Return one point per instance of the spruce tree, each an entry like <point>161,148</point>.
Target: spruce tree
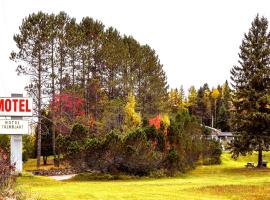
<point>224,107</point>
<point>251,99</point>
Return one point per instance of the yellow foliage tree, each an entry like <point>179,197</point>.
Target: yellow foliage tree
<point>165,118</point>
<point>132,118</point>
<point>192,96</point>
<point>215,94</point>
<point>177,100</point>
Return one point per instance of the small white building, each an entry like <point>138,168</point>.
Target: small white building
<point>219,135</point>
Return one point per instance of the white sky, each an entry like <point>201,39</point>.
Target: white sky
<point>197,41</point>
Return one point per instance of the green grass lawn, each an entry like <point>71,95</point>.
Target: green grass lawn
<point>230,180</point>
<point>31,165</point>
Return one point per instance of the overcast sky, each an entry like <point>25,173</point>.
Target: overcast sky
<point>196,41</point>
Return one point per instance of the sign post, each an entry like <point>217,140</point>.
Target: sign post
<point>16,108</point>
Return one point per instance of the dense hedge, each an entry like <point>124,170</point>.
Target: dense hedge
<point>175,148</point>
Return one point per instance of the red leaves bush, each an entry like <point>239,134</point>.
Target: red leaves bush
<point>72,105</point>
<point>6,169</point>
<point>155,122</point>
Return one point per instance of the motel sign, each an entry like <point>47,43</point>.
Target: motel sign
<point>13,109</point>
<point>11,106</point>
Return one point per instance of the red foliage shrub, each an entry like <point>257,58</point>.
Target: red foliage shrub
<point>155,121</point>
<point>72,105</point>
<point>72,108</point>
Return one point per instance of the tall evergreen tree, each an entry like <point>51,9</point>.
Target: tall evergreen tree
<point>52,75</point>
<point>192,99</point>
<point>203,105</point>
<point>224,107</point>
<point>31,58</point>
<point>251,100</point>
<point>92,38</point>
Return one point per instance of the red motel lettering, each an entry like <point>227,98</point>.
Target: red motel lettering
<point>15,105</point>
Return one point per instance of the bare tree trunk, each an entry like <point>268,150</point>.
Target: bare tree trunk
<point>39,112</point>
<point>60,95</point>
<point>95,85</point>
<point>73,83</point>
<point>53,106</point>
<point>83,83</point>
<point>87,99</point>
<point>259,157</point>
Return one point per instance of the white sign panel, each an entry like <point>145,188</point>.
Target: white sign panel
<point>14,127</point>
<point>16,106</point>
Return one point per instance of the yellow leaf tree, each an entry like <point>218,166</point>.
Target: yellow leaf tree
<point>215,95</point>
<point>177,100</point>
<point>132,118</point>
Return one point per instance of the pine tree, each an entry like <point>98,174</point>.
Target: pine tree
<point>153,84</point>
<point>223,109</point>
<point>192,99</point>
<point>92,33</point>
<point>203,105</point>
<point>251,99</point>
<point>31,58</point>
<point>52,90</point>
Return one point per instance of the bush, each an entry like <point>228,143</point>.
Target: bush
<point>160,173</point>
<point>212,152</point>
<point>184,142</point>
<point>172,162</point>
<point>101,176</point>
<point>72,146</point>
<point>151,132</point>
<point>78,132</point>
<point>140,157</point>
<point>5,142</point>
<point>28,147</point>
<point>173,148</point>
<point>6,169</point>
<point>111,153</point>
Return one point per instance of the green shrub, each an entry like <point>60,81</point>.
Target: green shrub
<point>141,152</point>
<point>5,142</point>
<point>140,157</point>
<point>28,147</point>
<point>78,132</point>
<point>212,152</point>
<point>172,156</point>
<point>101,176</point>
<point>184,140</point>
<point>151,132</point>
<point>159,173</point>
<point>172,162</point>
